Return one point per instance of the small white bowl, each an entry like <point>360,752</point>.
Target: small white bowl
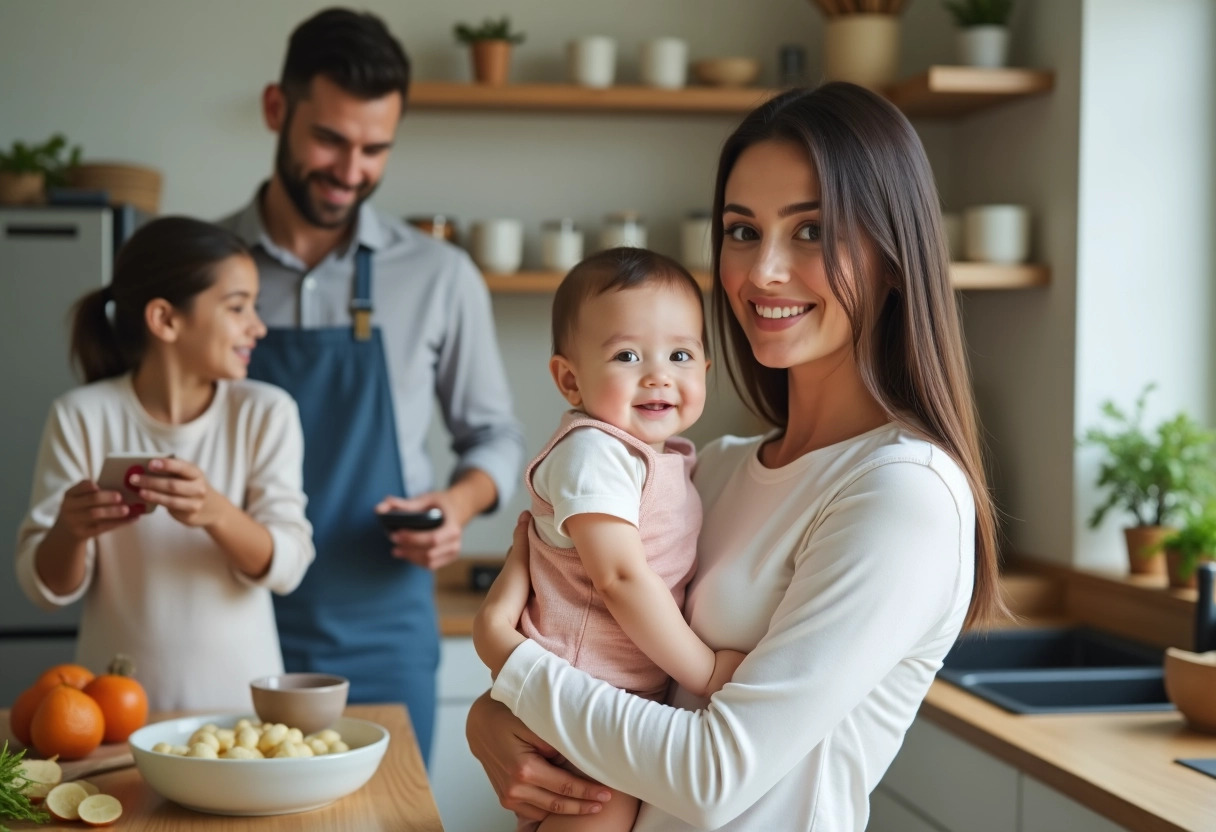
<point>256,787</point>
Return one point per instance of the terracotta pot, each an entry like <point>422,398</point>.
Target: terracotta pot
<point>491,61</point>
<point>1174,568</point>
<point>21,188</point>
<point>1141,559</point>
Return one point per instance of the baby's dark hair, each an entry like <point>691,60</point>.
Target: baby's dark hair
<point>613,270</point>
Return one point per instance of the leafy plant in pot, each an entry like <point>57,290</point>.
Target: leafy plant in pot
<point>1153,476</point>
<point>491,44</point>
<point>27,170</point>
<point>1191,545</point>
<point>983,31</point>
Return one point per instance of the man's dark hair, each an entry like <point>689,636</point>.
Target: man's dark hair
<point>355,50</point>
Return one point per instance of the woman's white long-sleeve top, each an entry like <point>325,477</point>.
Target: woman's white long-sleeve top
<point>159,591</point>
<point>846,576</point>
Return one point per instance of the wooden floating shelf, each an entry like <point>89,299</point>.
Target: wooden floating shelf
<point>453,95</point>
<point>940,91</point>
<point>963,275</point>
<point>960,90</point>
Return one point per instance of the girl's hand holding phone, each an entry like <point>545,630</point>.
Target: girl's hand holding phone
<point>87,511</point>
<point>182,489</point>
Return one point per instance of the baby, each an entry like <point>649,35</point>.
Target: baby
<point>615,513</point>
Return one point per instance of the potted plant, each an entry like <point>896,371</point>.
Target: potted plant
<point>1192,544</point>
<point>491,43</point>
<point>27,170</point>
<point>1154,477</point>
<point>983,37</point>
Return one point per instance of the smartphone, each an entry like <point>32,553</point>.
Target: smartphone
<point>116,474</point>
<point>415,521</point>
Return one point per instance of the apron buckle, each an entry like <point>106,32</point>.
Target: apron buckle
<point>362,316</point>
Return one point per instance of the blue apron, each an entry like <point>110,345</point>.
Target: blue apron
<point>359,612</point>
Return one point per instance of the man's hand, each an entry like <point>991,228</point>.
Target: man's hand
<point>428,549</point>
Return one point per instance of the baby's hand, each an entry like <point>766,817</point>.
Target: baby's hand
<point>725,664</point>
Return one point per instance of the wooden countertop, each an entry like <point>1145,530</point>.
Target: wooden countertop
<point>1119,765</point>
<point>397,798</point>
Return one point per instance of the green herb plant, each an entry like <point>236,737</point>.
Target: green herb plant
<point>14,805</point>
<point>45,158</point>
<point>969,13</point>
<point>1195,541</point>
<point>1153,476</point>
<point>488,30</point>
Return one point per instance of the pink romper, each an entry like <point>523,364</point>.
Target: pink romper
<point>565,615</point>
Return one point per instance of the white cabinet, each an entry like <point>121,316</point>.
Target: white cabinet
<point>1046,810</point>
<point>462,792</point>
<point>951,784</point>
<point>938,783</point>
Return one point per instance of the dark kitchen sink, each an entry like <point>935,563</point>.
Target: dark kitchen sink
<point>1048,648</point>
<point>1058,670</point>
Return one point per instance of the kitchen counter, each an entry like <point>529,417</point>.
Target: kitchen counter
<point>1118,765</point>
<point>397,798</point>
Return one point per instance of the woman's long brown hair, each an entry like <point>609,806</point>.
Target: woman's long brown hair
<point>877,197</point>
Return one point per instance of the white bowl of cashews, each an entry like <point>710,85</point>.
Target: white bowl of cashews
<point>227,764</point>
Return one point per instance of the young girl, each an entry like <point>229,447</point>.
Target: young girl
<point>615,514</point>
<point>183,589</point>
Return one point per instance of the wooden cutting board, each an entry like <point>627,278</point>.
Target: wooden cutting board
<point>106,758</point>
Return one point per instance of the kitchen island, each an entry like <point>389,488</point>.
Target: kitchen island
<point>397,798</point>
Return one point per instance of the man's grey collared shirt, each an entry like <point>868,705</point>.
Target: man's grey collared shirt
<point>434,313</point>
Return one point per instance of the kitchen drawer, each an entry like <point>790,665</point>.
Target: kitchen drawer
<point>462,676</point>
<point>888,813</point>
<point>952,783</point>
<point>1046,810</point>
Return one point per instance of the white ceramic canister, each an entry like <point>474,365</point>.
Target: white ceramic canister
<point>623,229</point>
<point>696,241</point>
<point>862,49</point>
<point>986,46</point>
<point>997,233</point>
<point>664,63</point>
<point>591,61</point>
<point>498,245</point>
<point>561,245</point>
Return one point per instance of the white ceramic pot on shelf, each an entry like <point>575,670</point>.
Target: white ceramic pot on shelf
<point>986,46</point>
<point>591,61</point>
<point>997,233</point>
<point>862,49</point>
<point>498,245</point>
<point>664,63</point>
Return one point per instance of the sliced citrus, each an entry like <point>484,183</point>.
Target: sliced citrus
<point>63,800</point>
<point>43,775</point>
<point>87,786</point>
<point>99,810</point>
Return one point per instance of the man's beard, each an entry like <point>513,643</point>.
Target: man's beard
<point>296,184</point>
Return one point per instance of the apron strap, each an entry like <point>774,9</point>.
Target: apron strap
<point>361,303</point>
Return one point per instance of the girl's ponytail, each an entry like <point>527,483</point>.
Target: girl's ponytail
<point>95,350</point>
<point>170,258</point>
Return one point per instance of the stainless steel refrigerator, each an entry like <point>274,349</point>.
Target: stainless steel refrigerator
<point>48,258</point>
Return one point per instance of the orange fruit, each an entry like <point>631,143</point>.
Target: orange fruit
<point>124,704</point>
<point>22,713</point>
<point>68,723</point>
<point>69,674</point>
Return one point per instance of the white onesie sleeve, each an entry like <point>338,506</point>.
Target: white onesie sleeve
<point>587,472</point>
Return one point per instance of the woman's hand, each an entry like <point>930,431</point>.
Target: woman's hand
<point>87,511</point>
<point>495,635</point>
<point>521,769</point>
<point>181,488</point>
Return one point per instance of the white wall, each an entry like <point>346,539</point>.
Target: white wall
<point>1147,207</point>
<point>175,85</point>
<point>1022,342</point>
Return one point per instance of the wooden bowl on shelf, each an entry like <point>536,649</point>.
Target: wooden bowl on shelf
<point>126,184</point>
<point>1190,682</point>
<point>726,72</point>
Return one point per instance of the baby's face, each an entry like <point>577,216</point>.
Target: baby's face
<point>638,362</point>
